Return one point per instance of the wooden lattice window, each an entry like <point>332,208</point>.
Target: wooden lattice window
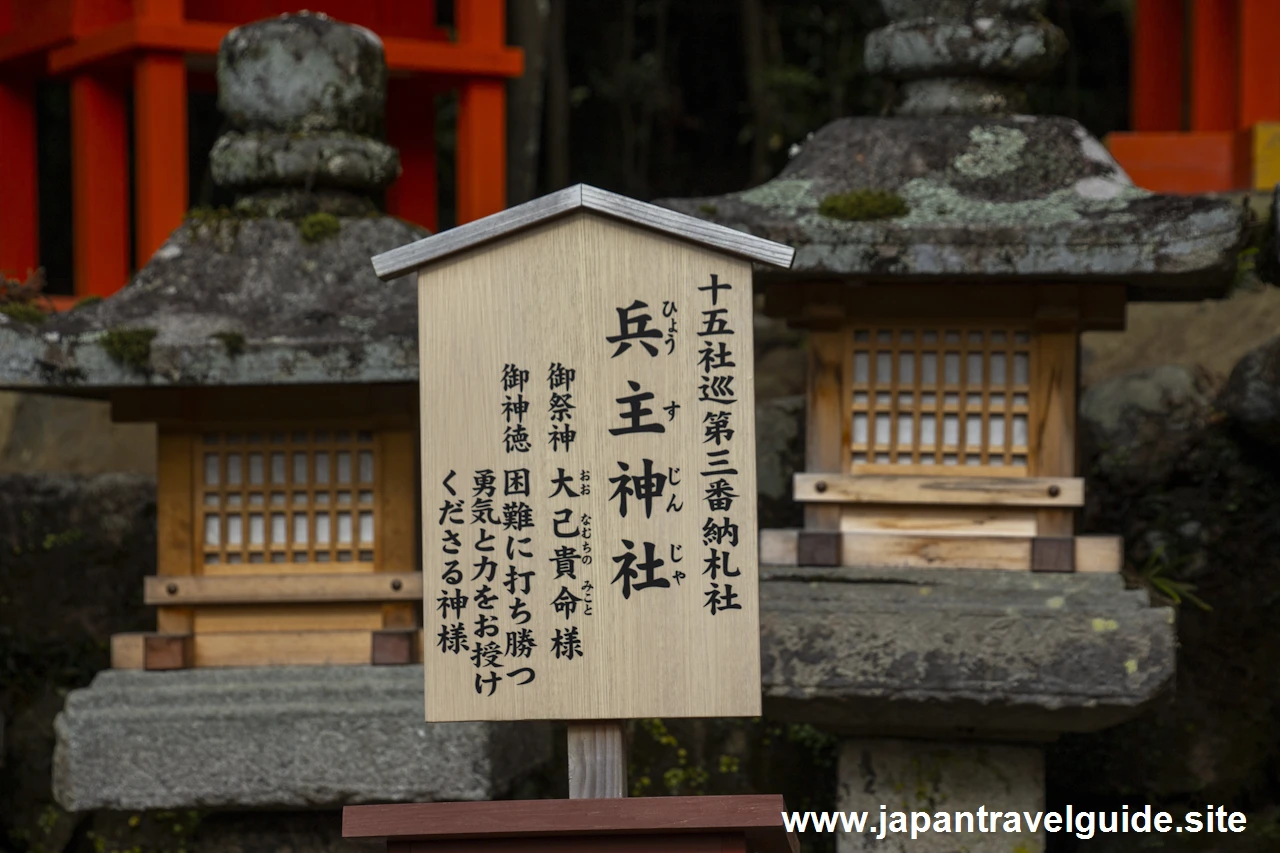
<point>940,397</point>
<point>297,496</point>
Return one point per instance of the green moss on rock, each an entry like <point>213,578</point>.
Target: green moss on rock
<point>318,226</point>
<point>863,205</point>
<point>211,215</point>
<point>92,299</point>
<point>218,223</point>
<point>129,347</point>
<point>233,342</point>
<point>23,312</point>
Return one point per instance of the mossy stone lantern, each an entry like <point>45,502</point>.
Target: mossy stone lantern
<point>948,259</point>
<point>280,373</point>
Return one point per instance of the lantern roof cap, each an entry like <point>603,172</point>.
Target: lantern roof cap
<point>276,290</point>
<point>234,301</point>
<point>1011,198</point>
<point>580,197</point>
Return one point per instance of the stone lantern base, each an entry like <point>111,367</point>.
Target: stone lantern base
<point>281,737</point>
<point>935,777</point>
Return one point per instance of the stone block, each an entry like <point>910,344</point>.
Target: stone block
<point>934,777</point>
<point>960,653</point>
<point>276,737</point>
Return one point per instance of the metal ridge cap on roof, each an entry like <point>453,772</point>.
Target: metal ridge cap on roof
<point>397,262</point>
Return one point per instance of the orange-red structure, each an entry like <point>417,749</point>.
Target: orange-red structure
<point>1205,95</point>
<point>159,50</point>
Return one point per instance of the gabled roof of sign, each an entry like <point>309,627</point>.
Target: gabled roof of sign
<point>1008,198</point>
<point>414,256</point>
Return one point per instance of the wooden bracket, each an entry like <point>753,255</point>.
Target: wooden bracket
<point>166,651</point>
<point>1053,554</point>
<point>818,548</point>
<point>394,648</point>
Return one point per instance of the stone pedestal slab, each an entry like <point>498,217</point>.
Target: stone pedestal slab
<point>938,777</point>
<point>965,654</point>
<point>278,737</point>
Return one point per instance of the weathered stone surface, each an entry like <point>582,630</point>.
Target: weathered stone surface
<point>77,546</point>
<point>43,434</point>
<point>1209,336</point>
<point>959,96</point>
<point>250,297</point>
<point>929,776</point>
<point>1130,422</point>
<point>901,9</point>
<point>999,653</point>
<point>960,57</point>
<point>302,313</point>
<point>278,737</point>
<point>1199,523</point>
<point>927,47</point>
<point>73,551</point>
<point>242,160</point>
<point>779,455</point>
<point>305,96</point>
<point>1252,394</point>
<point>781,358</point>
<point>1017,197</point>
<point>302,72</point>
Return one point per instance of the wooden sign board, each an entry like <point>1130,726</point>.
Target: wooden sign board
<point>588,466</point>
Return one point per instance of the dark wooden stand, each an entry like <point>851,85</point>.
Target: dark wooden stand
<point>741,824</point>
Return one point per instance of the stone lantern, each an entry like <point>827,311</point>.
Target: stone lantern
<point>938,606</point>
<point>281,375</point>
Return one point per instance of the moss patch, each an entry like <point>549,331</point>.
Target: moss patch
<point>708,209</point>
<point>863,205</point>
<point>318,226</point>
<point>232,341</point>
<point>129,347</point>
<point>220,224</point>
<point>23,312</point>
<point>88,300</point>
<point>211,215</point>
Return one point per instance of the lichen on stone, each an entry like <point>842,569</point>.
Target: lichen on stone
<point>994,152</point>
<point>933,202</point>
<point>786,196</point>
<point>129,347</point>
<point>23,312</point>
<point>863,205</point>
<point>318,227</point>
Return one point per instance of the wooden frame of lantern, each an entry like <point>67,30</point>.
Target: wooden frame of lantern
<point>286,532</point>
<point>941,425</point>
